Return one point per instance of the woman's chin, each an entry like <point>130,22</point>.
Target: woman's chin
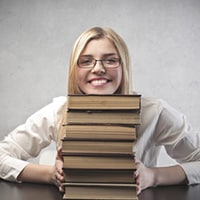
<point>99,91</point>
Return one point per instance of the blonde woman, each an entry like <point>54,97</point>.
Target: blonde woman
<point>100,64</point>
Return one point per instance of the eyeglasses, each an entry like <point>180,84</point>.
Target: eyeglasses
<point>89,62</point>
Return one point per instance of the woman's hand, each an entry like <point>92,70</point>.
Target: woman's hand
<point>144,176</point>
<point>148,177</point>
<point>57,173</point>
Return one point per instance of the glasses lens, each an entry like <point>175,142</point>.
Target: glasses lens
<point>111,62</point>
<point>85,62</point>
<point>89,62</point>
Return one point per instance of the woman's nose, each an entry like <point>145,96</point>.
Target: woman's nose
<point>98,68</point>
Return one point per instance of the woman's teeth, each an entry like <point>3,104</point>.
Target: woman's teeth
<point>98,82</point>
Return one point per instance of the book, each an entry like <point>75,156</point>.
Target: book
<point>99,176</point>
<point>101,132</point>
<point>99,161</point>
<point>103,117</point>
<point>106,102</point>
<point>97,146</point>
<point>100,191</point>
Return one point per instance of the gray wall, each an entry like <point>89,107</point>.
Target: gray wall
<point>36,37</point>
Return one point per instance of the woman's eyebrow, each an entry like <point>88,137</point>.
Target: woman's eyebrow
<point>86,55</point>
<point>110,54</point>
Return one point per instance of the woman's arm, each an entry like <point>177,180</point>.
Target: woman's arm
<point>36,173</point>
<point>44,173</point>
<point>148,177</point>
<point>162,125</point>
<point>27,141</point>
<point>169,175</point>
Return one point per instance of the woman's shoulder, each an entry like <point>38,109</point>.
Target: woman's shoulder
<point>60,100</point>
<point>59,103</point>
<point>147,101</point>
<point>54,107</point>
<point>156,106</point>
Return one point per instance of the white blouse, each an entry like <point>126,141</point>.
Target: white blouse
<point>161,125</point>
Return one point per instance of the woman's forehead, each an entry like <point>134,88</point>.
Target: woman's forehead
<point>101,46</point>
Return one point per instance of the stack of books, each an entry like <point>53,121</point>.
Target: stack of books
<point>97,148</point>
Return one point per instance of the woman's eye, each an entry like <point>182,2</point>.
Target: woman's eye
<point>85,61</point>
<point>110,60</point>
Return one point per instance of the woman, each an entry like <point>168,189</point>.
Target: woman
<point>100,64</point>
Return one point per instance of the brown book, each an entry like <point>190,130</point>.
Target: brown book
<point>100,191</point>
<point>99,176</point>
<point>98,161</point>
<point>103,117</point>
<point>107,102</point>
<point>101,132</point>
<point>97,146</point>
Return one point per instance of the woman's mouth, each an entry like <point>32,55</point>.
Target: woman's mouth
<point>98,82</point>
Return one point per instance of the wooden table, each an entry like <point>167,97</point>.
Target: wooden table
<point>31,191</point>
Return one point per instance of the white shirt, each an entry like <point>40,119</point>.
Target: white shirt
<point>160,125</point>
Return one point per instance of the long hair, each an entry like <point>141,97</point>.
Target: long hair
<point>79,46</point>
<point>95,34</point>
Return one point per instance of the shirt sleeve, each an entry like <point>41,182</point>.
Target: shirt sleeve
<point>28,139</point>
<point>181,142</point>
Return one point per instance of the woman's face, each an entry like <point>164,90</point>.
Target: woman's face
<point>99,79</point>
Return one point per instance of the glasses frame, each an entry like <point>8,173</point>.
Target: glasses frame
<point>102,63</point>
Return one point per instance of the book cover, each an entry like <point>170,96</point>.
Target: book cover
<point>99,161</point>
<point>97,146</point>
<point>106,102</point>
<point>99,176</point>
<point>101,132</point>
<point>103,117</point>
<point>100,191</point>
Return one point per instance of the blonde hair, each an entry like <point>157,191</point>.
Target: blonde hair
<point>79,46</point>
<point>96,33</point>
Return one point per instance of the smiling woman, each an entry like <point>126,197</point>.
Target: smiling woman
<point>100,64</point>
<point>99,77</point>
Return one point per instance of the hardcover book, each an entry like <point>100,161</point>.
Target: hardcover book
<point>104,102</point>
<point>100,191</point>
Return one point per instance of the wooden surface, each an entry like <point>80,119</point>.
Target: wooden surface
<point>30,191</point>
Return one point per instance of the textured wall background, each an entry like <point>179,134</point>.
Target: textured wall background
<point>36,39</point>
